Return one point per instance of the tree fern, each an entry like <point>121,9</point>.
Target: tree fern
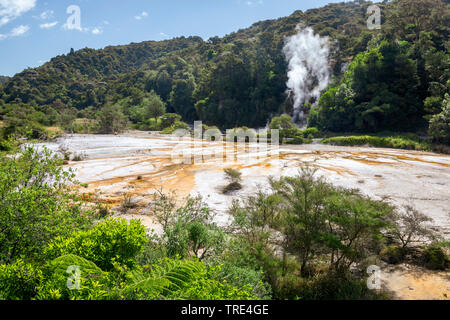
<point>165,280</point>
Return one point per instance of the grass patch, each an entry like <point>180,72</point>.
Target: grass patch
<point>54,132</point>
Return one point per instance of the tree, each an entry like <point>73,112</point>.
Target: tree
<point>282,122</point>
<point>112,119</point>
<point>410,227</point>
<point>188,229</point>
<point>440,124</point>
<point>406,19</point>
<point>153,105</point>
<point>377,92</point>
<point>312,220</point>
<point>169,119</point>
<point>163,85</point>
<point>36,204</point>
<point>181,99</point>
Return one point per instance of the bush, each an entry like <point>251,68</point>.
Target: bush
<point>169,119</point>
<point>312,133</point>
<point>440,123</point>
<point>435,258</point>
<point>5,145</point>
<point>398,142</point>
<point>336,287</point>
<point>182,279</point>
<point>392,254</point>
<point>19,281</point>
<point>88,280</point>
<point>176,126</point>
<point>235,178</point>
<point>282,122</point>
<point>33,211</point>
<point>241,276</point>
<point>233,186</point>
<point>113,241</point>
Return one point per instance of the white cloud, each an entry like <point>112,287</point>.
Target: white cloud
<point>97,31</point>
<point>19,31</point>
<point>143,14</point>
<point>251,3</point>
<point>48,14</point>
<point>48,25</point>
<point>12,9</point>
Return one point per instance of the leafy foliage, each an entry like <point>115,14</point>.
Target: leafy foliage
<point>36,203</point>
<point>435,258</point>
<point>19,281</point>
<point>87,281</point>
<point>111,242</point>
<point>399,142</point>
<point>182,279</point>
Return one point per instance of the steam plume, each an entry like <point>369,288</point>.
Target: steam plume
<point>308,70</point>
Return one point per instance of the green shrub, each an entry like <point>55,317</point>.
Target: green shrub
<point>435,258</point>
<point>19,281</point>
<point>236,134</point>
<point>392,254</point>
<point>312,133</point>
<point>169,119</point>
<point>440,123</point>
<point>33,211</point>
<point>336,287</point>
<point>182,279</point>
<point>241,276</point>
<point>5,145</point>
<point>234,177</point>
<point>398,142</point>
<point>209,289</point>
<point>108,243</point>
<point>72,277</point>
<point>233,186</point>
<point>176,126</point>
<point>282,122</point>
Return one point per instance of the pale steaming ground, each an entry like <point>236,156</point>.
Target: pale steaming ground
<point>112,164</point>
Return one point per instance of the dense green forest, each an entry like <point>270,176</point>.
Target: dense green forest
<point>3,79</point>
<point>394,79</point>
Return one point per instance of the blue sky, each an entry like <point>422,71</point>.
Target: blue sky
<point>33,31</point>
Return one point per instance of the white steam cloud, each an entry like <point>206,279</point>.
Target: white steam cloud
<point>308,69</point>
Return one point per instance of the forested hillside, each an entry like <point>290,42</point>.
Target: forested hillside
<point>397,79</point>
<point>3,79</point>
